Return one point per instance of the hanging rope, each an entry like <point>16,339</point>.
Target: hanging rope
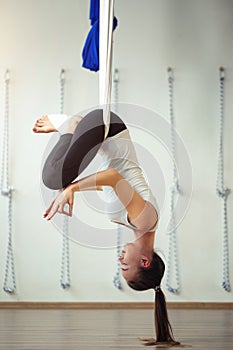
<point>116,88</point>
<point>172,245</point>
<point>6,190</point>
<point>65,258</point>
<point>221,190</point>
<point>116,279</point>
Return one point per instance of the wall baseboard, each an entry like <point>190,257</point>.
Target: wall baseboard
<point>112,305</point>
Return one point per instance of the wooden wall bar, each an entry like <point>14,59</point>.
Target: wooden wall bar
<point>112,305</point>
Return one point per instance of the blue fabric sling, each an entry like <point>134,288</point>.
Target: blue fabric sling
<point>90,53</point>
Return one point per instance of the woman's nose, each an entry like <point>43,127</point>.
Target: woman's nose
<point>121,257</point>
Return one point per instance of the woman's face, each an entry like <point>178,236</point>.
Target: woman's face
<point>130,259</point>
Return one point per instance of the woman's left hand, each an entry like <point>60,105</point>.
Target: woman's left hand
<point>63,198</point>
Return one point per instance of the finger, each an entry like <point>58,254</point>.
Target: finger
<point>62,209</point>
<point>49,208</point>
<point>68,213</point>
<point>52,212</point>
<point>70,208</point>
<point>65,212</point>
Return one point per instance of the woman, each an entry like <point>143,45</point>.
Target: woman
<point>129,200</point>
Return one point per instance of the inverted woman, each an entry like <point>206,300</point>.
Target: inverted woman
<point>129,200</point>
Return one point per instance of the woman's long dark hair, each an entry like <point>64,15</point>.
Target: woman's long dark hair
<point>151,278</point>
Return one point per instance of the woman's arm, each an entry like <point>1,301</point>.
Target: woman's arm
<point>66,196</point>
<point>132,201</point>
<point>108,177</point>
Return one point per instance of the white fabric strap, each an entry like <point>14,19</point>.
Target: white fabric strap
<point>105,59</point>
<point>60,122</point>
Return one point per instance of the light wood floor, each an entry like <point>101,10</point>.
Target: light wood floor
<point>110,329</point>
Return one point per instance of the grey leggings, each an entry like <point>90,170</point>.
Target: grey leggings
<point>74,152</point>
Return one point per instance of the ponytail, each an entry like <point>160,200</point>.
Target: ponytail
<point>163,327</point>
<point>148,278</point>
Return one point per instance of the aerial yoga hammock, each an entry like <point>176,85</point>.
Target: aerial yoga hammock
<point>91,52</point>
<point>130,201</point>
<point>91,57</point>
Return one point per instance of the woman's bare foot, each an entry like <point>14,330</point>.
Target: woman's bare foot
<point>43,125</point>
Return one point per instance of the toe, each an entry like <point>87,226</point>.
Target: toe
<point>40,123</point>
<point>37,129</point>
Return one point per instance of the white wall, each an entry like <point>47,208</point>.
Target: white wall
<point>37,39</point>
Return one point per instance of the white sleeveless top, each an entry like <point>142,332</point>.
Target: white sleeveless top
<point>118,152</point>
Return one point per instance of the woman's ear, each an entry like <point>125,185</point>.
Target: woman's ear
<point>145,261</point>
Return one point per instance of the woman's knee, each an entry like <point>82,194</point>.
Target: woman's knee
<point>51,178</point>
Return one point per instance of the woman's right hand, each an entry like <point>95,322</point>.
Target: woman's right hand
<point>64,197</point>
